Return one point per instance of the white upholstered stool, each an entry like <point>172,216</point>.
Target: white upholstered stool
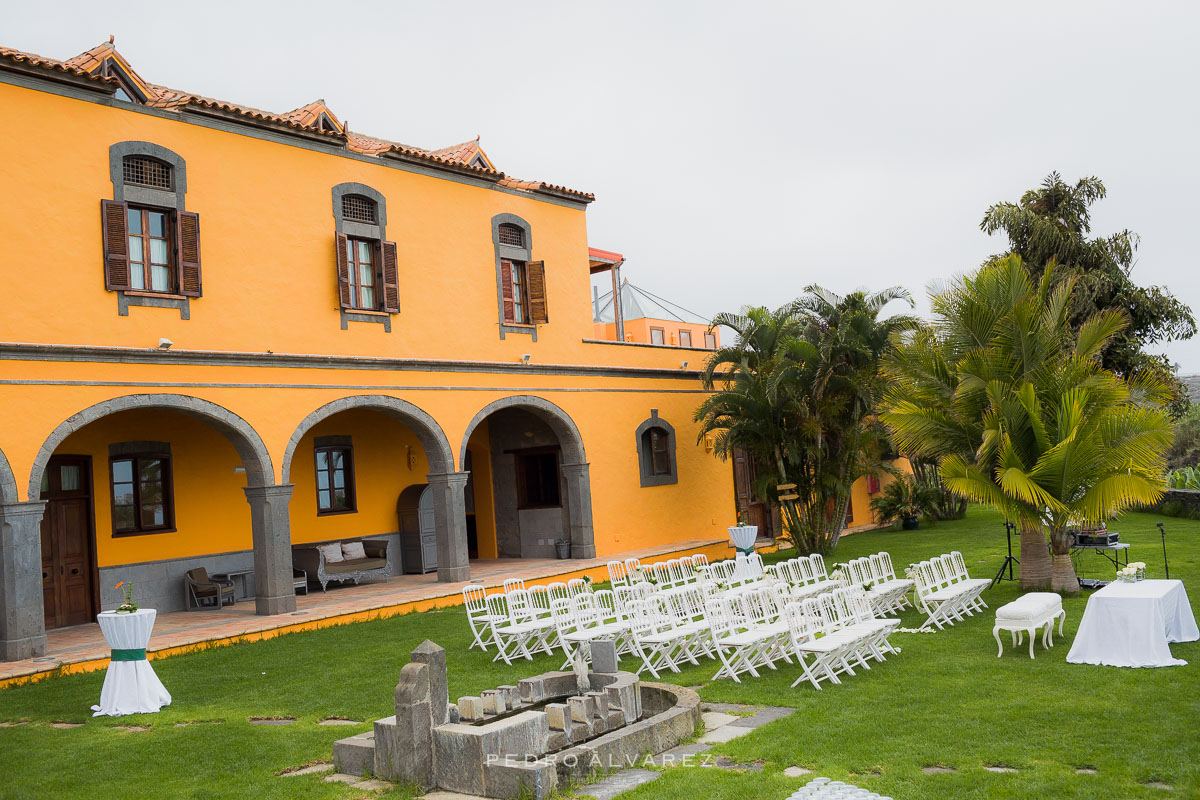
<point>1027,614</point>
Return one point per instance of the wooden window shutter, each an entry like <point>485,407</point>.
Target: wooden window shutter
<point>188,231</point>
<point>116,244</point>
<point>391,278</point>
<point>506,289</point>
<point>535,279</point>
<point>343,269</point>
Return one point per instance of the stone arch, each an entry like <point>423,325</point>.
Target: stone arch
<point>449,511</point>
<point>559,421</point>
<point>8,482</point>
<point>429,433</point>
<point>574,465</point>
<point>247,442</point>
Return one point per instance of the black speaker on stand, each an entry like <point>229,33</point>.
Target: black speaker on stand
<point>1008,561</point>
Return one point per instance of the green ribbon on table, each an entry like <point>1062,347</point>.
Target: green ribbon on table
<point>129,655</point>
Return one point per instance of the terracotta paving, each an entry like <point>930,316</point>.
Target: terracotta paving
<point>85,643</point>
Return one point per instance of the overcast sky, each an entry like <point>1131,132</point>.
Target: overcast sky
<point>738,151</point>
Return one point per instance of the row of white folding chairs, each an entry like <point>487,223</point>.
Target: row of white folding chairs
<point>673,572</point>
<point>805,575</point>
<point>945,592</point>
<point>825,633</point>
<point>736,571</point>
<point>888,594</point>
<point>488,612</point>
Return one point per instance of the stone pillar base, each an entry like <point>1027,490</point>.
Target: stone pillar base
<point>272,548</point>
<point>22,616</point>
<point>450,522</point>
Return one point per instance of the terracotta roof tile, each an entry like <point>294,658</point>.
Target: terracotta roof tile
<point>305,118</point>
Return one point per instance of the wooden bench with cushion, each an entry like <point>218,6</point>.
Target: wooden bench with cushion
<point>360,559</point>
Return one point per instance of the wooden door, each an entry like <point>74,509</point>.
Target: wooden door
<point>427,524</point>
<point>744,475</point>
<point>68,566</point>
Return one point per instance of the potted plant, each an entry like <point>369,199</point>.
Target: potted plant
<point>905,500</point>
<point>743,534</point>
<point>127,606</point>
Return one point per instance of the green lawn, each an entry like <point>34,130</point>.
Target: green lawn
<point>946,700</point>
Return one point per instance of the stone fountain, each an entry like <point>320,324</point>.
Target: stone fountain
<point>546,729</point>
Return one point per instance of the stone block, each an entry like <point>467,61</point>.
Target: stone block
<point>470,708</point>
<point>493,701</point>
<point>404,746</point>
<point>434,657</point>
<point>626,696</point>
<point>583,708</point>
<point>558,684</point>
<point>536,779</point>
<point>512,698</point>
<point>599,702</point>
<point>460,758</point>
<point>557,741</point>
<point>616,719</point>
<point>413,686</point>
<point>355,755</point>
<point>604,656</point>
<point>558,716</point>
<point>532,690</point>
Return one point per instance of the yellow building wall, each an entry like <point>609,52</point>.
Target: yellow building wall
<point>483,488</point>
<point>382,446</point>
<point>861,498</point>
<point>267,234</point>
<point>638,330</point>
<point>211,512</point>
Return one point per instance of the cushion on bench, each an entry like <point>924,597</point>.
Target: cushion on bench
<point>356,565</point>
<point>1034,605</point>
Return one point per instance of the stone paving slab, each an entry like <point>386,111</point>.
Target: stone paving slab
<point>689,754</point>
<point>725,734</point>
<point>311,769</point>
<point>797,772</point>
<point>443,795</point>
<point>763,716</point>
<point>341,777</point>
<point>715,719</point>
<point>725,708</point>
<point>615,784</point>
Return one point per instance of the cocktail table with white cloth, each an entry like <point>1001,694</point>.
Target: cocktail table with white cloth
<point>1131,624</point>
<point>130,685</point>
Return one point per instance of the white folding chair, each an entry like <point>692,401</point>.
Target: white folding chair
<point>618,575</point>
<point>478,618</point>
<point>513,583</point>
<point>654,636</point>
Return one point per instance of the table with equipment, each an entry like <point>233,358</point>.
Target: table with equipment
<point>1132,624</point>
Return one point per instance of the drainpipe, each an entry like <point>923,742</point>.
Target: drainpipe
<point>618,314</point>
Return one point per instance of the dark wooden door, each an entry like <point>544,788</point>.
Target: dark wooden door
<point>744,475</point>
<point>68,586</point>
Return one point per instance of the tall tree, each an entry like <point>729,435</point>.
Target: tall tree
<point>797,390</point>
<point>1022,414</point>
<point>1051,224</point>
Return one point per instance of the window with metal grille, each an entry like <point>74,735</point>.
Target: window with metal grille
<point>357,208</point>
<point>512,235</point>
<point>146,171</point>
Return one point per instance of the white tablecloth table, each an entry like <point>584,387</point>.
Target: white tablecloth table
<point>130,685</point>
<point>1131,624</point>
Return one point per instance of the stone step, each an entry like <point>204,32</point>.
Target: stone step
<point>355,755</point>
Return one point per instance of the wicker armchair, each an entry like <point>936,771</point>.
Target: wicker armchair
<point>204,590</point>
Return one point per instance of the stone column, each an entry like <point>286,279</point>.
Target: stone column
<point>450,521</point>
<point>22,618</point>
<point>272,548</point>
<point>579,505</point>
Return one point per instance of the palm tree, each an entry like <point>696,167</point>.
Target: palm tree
<point>1022,415</point>
<point>797,392</point>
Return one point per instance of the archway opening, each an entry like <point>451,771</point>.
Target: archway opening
<point>143,493</point>
<point>529,487</point>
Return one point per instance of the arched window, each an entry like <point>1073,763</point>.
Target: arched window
<point>521,281</point>
<point>656,451</point>
<point>367,268</point>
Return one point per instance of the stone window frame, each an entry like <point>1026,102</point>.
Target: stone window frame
<point>146,196</point>
<point>362,230</point>
<point>507,251</point>
<point>645,472</point>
